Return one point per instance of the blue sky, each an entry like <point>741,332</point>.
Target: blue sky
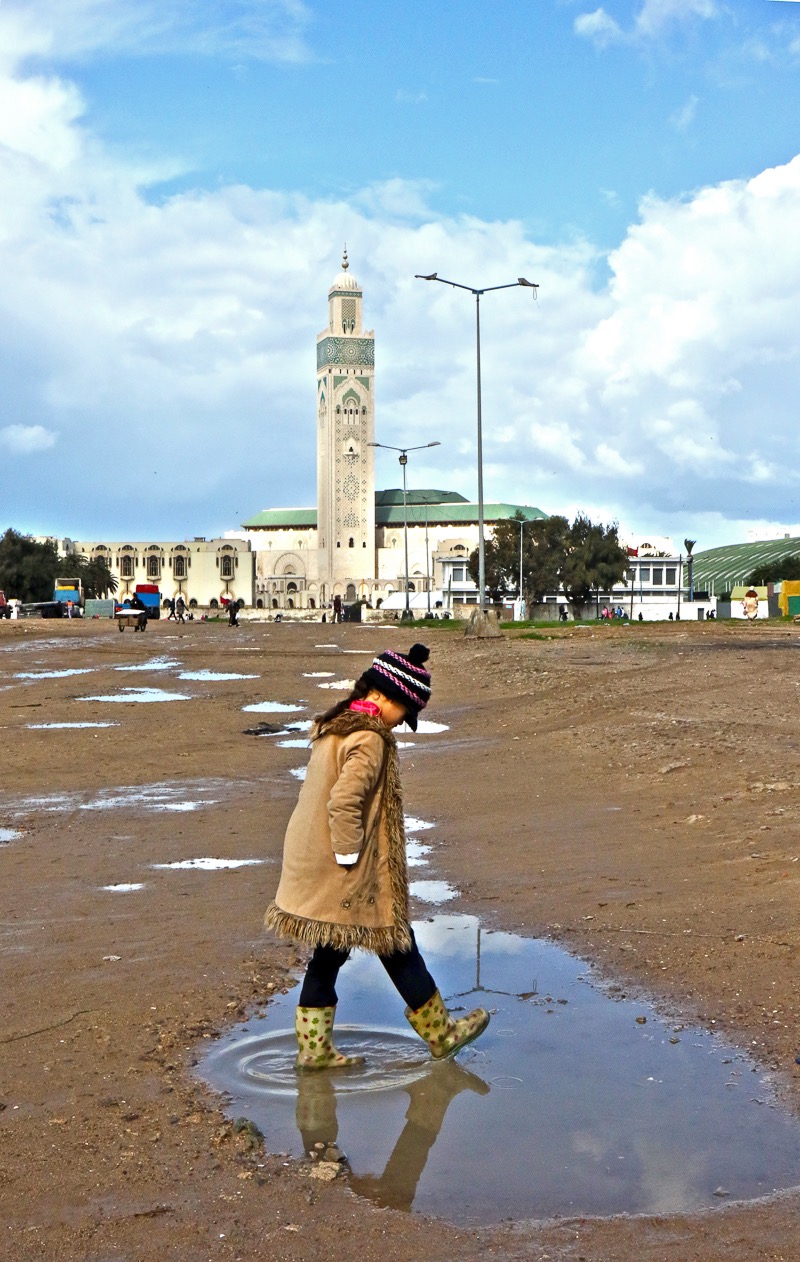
<point>177,181</point>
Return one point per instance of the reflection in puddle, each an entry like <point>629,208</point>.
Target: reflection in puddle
<point>318,674</point>
<point>53,674</point>
<point>42,727</point>
<point>201,676</point>
<point>343,685</point>
<point>293,744</point>
<point>9,834</point>
<point>140,694</point>
<point>271,707</point>
<point>207,865</point>
<point>414,825</point>
<point>299,773</point>
<point>580,1109</point>
<point>123,887</point>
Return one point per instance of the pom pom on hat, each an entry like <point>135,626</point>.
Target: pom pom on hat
<point>403,677</point>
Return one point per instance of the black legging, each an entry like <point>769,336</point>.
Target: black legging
<point>406,969</point>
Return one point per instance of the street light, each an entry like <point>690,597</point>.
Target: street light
<point>527,284</point>
<point>522,524</point>
<point>404,461</point>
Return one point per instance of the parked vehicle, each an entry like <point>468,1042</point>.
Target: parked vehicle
<point>68,592</point>
<point>150,597</point>
<point>5,606</point>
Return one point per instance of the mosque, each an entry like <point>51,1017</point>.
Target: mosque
<point>353,543</point>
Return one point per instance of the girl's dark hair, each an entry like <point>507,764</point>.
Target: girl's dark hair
<point>360,689</point>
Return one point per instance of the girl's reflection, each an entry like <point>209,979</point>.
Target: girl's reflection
<point>429,1100</point>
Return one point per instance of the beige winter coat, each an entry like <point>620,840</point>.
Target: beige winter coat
<point>350,803</point>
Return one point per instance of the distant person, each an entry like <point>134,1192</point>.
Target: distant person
<point>337,609</point>
<point>180,609</point>
<point>69,608</point>
<point>750,604</point>
<point>344,883</point>
<point>562,614</point>
<point>171,606</point>
<point>641,617</point>
<point>671,616</point>
<point>233,613</point>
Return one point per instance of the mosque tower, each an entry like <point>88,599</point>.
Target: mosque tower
<point>345,461</point>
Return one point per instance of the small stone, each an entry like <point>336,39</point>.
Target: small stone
<point>320,1147</point>
<point>721,1192</point>
<point>333,1153</point>
<point>325,1171</point>
<point>641,1020</point>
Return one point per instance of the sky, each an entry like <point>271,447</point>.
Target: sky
<point>177,182</point>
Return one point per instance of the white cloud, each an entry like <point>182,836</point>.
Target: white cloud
<point>24,439</point>
<point>652,20</point>
<point>170,346</point>
<point>599,27</point>
<point>268,29</point>
<point>683,118</point>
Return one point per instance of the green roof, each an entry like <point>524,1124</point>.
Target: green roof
<point>451,510</point>
<point>384,498</point>
<point>719,569</point>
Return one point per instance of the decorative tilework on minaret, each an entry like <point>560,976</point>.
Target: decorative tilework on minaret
<point>345,427</point>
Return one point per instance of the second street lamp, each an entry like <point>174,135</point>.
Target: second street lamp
<point>403,462</point>
<point>527,284</point>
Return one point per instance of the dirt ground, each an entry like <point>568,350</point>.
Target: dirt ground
<point>629,791</point>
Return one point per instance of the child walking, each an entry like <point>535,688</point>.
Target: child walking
<point>344,882</point>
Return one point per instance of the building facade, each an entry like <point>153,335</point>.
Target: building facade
<point>205,572</point>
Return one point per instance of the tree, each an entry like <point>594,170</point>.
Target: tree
<point>94,574</point>
<point>787,569</point>
<point>27,569</point>
<point>581,558</point>
<point>595,560</point>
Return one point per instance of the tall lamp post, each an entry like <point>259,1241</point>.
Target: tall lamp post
<point>522,525</point>
<point>478,293</point>
<point>404,461</point>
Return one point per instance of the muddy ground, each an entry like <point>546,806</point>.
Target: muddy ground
<point>687,888</point>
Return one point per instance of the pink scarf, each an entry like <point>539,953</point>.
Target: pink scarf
<point>366,707</point>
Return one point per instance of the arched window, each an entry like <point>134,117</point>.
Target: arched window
<point>274,603</point>
<point>259,603</point>
<point>179,567</point>
<point>154,567</point>
<point>350,594</point>
<point>351,542</point>
<point>126,569</point>
<point>291,587</point>
<point>226,567</point>
<point>290,603</point>
<point>193,603</point>
<point>213,603</point>
<point>312,604</point>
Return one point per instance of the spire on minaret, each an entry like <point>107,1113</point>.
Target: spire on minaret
<point>345,263</point>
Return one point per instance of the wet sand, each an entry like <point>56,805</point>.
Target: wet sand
<point>629,792</point>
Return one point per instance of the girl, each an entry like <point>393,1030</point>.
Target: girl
<point>343,882</point>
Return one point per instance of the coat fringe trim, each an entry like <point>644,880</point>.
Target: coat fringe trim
<point>389,938</point>
<point>315,933</point>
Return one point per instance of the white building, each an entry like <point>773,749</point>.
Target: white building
<point>353,544</point>
<point>204,571</point>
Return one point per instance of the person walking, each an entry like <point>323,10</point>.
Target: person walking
<point>180,609</point>
<point>344,881</point>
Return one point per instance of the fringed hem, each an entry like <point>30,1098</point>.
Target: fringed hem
<point>314,933</point>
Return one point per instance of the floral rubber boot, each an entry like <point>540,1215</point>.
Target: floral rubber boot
<point>444,1034</point>
<point>314,1030</point>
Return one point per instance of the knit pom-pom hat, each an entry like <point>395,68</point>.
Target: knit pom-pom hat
<point>402,676</point>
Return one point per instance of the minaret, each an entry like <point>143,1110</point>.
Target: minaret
<point>346,425</point>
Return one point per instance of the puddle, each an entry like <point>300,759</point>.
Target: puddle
<point>148,797</point>
<point>271,707</point>
<point>292,744</point>
<point>201,676</point>
<point>425,727</point>
<point>414,825</point>
<point>326,646</point>
<point>155,663</point>
<point>299,773</point>
<point>436,892</point>
<point>140,694</point>
<point>344,685</point>
<point>318,674</point>
<point>123,887</point>
<point>406,744</point>
<point>54,674</point>
<point>9,834</point>
<point>206,865</point>
<point>580,1109</point>
<point>42,727</point>
<point>416,853</point>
